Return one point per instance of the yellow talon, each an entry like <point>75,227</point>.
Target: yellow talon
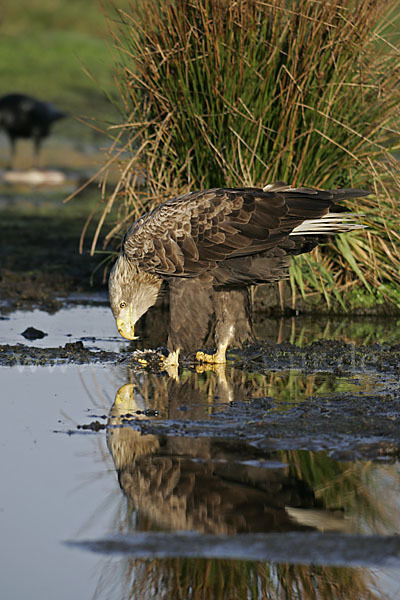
<point>142,361</point>
<point>203,357</point>
<point>215,359</point>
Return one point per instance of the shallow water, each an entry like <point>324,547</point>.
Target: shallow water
<point>89,318</point>
<point>53,486</point>
<point>158,465</point>
<point>92,324</point>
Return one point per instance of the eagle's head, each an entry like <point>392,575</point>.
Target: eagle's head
<point>132,292</point>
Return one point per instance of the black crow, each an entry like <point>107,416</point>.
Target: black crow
<point>25,117</point>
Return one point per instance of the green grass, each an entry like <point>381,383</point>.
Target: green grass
<point>47,50</point>
<point>41,15</point>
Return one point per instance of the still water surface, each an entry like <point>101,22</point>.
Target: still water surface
<point>59,486</point>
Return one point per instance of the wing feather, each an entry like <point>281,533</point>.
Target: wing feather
<point>189,235</point>
<point>189,248</point>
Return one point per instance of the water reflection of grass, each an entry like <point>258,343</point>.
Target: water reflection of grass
<point>304,329</point>
<point>204,579</point>
<point>293,386</point>
<point>201,579</point>
<point>324,583</point>
<point>352,487</point>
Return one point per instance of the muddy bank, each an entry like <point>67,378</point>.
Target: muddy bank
<point>328,395</point>
<point>268,300</point>
<point>70,353</point>
<point>39,249</point>
<point>293,548</point>
<point>348,426</point>
<point>325,355</point>
<point>329,356</point>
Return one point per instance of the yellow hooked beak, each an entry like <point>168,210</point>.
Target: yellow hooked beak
<point>126,329</point>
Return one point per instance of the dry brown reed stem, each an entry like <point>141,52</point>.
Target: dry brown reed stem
<point>218,93</point>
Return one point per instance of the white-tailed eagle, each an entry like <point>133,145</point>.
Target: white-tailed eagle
<point>210,246</point>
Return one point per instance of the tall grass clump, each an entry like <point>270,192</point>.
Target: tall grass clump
<point>246,92</point>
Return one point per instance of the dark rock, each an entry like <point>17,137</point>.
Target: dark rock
<point>33,334</point>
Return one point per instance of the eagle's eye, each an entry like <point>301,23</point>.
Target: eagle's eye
<point>122,304</point>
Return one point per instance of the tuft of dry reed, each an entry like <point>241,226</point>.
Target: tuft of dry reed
<point>246,92</point>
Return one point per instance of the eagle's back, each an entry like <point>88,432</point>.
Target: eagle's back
<point>194,233</point>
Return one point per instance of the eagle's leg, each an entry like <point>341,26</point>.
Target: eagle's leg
<point>233,322</point>
<point>191,311</point>
<point>219,358</point>
<point>37,140</point>
<point>12,153</point>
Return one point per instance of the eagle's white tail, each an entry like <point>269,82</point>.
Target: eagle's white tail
<point>328,224</point>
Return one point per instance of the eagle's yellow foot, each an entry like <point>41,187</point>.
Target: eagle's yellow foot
<point>218,358</point>
<point>143,361</point>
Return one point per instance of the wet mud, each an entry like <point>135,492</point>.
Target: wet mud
<point>40,260</point>
<point>70,353</point>
<point>351,408</point>
<point>293,548</point>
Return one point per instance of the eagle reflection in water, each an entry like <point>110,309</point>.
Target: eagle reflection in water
<point>203,484</point>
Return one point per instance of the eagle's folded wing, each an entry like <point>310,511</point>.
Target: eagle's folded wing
<point>191,234</point>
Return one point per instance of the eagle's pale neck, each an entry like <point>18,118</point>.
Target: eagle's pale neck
<point>130,285</point>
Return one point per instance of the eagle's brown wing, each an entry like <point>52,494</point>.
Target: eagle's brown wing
<point>192,233</point>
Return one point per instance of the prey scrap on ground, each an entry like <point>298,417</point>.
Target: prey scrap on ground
<point>210,246</point>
